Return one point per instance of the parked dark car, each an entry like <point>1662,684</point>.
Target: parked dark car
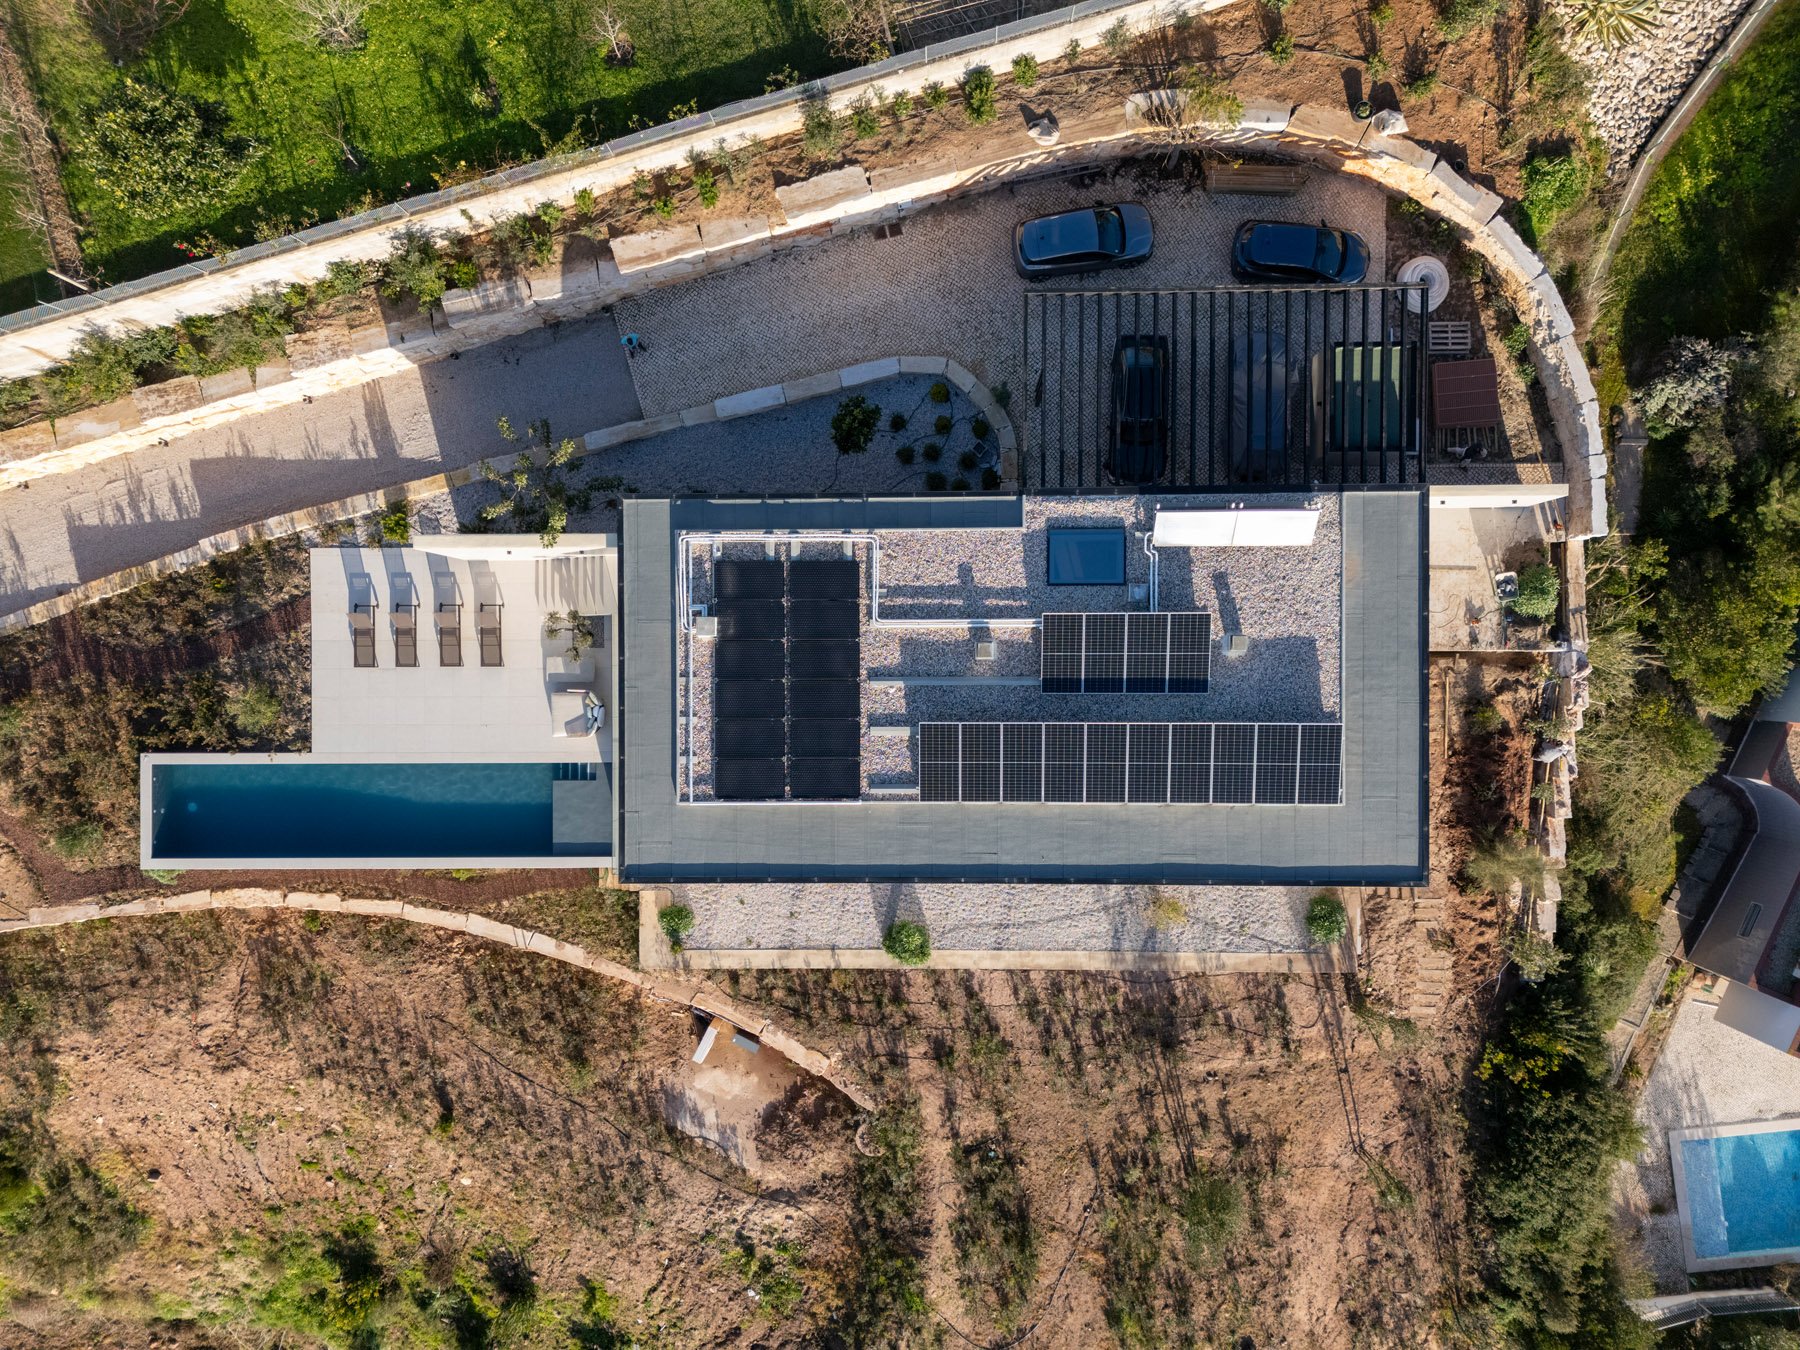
<point>1274,250</point>
<point>1138,448</point>
<point>1082,241</point>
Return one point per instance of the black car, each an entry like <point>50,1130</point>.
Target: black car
<point>1138,449</point>
<point>1274,250</point>
<point>1082,241</point>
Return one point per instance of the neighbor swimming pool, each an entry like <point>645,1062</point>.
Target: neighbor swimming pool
<point>1740,1191</point>
<point>304,810</point>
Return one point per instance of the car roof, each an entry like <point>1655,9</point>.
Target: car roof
<point>1283,245</point>
<point>1059,236</point>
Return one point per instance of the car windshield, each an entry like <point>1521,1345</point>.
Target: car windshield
<point>1328,256</point>
<point>1111,226</point>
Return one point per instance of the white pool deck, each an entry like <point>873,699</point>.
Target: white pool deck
<point>446,714</point>
<point>1708,1075</point>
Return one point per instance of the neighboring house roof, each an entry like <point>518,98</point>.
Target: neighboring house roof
<point>1376,836</point>
<point>1760,1017</point>
<point>1757,893</point>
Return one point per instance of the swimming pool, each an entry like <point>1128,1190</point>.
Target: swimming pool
<point>294,809</point>
<point>1738,1187</point>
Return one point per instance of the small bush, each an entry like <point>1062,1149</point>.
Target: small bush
<point>1281,48</point>
<point>853,425</point>
<point>990,479</point>
<point>934,94</point>
<point>865,118</point>
<point>1377,65</point>
<point>981,427</point>
<point>157,152</point>
<point>1326,920</point>
<point>1025,70</point>
<point>78,843</point>
<point>968,459</point>
<point>980,104</point>
<point>959,484</point>
<point>163,876</point>
<point>676,922</point>
<point>1212,1214</point>
<point>942,424</point>
<point>933,452</point>
<point>1420,85</point>
<point>901,106</point>
<point>1554,185</point>
<point>1694,375</point>
<point>256,710</point>
<point>940,392</point>
<point>1382,15</point>
<point>936,481</point>
<point>897,422</point>
<point>1538,592</point>
<point>906,454</point>
<point>396,525</point>
<point>1485,718</point>
<point>664,206</point>
<point>1461,17</point>
<point>819,127</point>
<point>907,942</point>
<point>706,187</point>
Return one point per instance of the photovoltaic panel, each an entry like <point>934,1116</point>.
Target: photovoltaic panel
<point>1103,661</point>
<point>823,579</point>
<point>1022,762</point>
<point>1065,757</point>
<point>824,698</point>
<point>1060,644</point>
<point>750,779</point>
<point>1321,765</point>
<point>1190,762</point>
<point>1190,653</point>
<point>748,661</point>
<point>1277,763</point>
<point>747,698</point>
<point>1146,653</point>
<point>821,738</point>
<point>1147,762</point>
<point>747,579</point>
<point>825,660</point>
<point>981,762</point>
<point>823,619</point>
<point>749,738</point>
<point>761,619</point>
<point>825,779</point>
<point>1106,745</point>
<point>940,762</point>
<point>1234,762</point>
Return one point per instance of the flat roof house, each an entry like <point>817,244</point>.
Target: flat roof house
<point>1174,688</point>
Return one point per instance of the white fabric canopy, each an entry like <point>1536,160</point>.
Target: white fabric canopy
<point>1276,527</point>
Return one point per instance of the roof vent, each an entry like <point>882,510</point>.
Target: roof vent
<point>1236,644</point>
<point>987,649</point>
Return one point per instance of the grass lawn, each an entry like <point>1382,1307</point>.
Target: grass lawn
<point>22,254</point>
<point>408,105</point>
<point>1715,232</point>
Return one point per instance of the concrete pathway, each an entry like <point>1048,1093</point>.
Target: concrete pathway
<point>437,416</point>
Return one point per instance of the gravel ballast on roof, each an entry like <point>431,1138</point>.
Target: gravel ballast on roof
<point>1243,919</point>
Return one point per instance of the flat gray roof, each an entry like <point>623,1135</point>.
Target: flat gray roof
<point>1748,915</point>
<point>1376,837</point>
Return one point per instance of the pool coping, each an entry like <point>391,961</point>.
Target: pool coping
<point>1696,1264</point>
<point>149,861</point>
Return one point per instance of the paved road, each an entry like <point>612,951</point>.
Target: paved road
<point>140,506</point>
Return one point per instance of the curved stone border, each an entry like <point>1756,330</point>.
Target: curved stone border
<point>370,503</point>
<point>689,994</point>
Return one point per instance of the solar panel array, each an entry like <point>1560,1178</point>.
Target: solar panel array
<point>787,671</point>
<point>1133,653</point>
<point>1185,763</point>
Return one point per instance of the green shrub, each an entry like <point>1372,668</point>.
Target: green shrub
<point>1460,17</point>
<point>820,130</point>
<point>980,104</point>
<point>901,106</point>
<point>1212,1215</point>
<point>906,454</point>
<point>78,843</point>
<point>676,922</point>
<point>1501,861</point>
<point>897,422</point>
<point>1486,718</point>
<point>1382,15</point>
<point>1420,85</point>
<point>959,484</point>
<point>1539,592</point>
<point>1281,48</point>
<point>537,495</point>
<point>1613,23</point>
<point>396,525</point>
<point>942,424</point>
<point>865,119</point>
<point>1025,70</point>
<point>706,187</point>
<point>158,153</point>
<point>1327,922</point>
<point>940,392</point>
<point>933,452</point>
<point>936,481</point>
<point>414,267</point>
<point>990,479</point>
<point>934,95</point>
<point>981,427</point>
<point>1554,184</point>
<point>256,710</point>
<point>907,942</point>
<point>73,1225</point>
<point>163,876</point>
<point>968,459</point>
<point>890,1226</point>
<point>853,425</point>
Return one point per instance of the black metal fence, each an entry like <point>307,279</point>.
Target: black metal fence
<point>1266,387</point>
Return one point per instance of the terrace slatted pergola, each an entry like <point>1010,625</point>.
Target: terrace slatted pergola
<point>1269,387</point>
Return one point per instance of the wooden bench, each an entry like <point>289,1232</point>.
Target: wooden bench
<point>1273,180</point>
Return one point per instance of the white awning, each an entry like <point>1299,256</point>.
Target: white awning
<point>1273,527</point>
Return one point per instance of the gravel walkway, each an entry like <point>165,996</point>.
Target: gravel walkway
<point>1001,917</point>
<point>944,287</point>
<point>1707,1074</point>
<point>1631,88</point>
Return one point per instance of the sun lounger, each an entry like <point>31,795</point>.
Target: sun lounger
<point>362,632</point>
<point>449,630</point>
<point>489,628</point>
<point>406,633</point>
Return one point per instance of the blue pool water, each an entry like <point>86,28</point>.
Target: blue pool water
<point>1743,1192</point>
<point>303,810</point>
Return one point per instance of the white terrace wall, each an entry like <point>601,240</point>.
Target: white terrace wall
<point>41,336</point>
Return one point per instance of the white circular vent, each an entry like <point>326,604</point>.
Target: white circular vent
<point>1433,273</point>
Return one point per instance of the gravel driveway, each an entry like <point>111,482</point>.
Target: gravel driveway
<point>944,287</point>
